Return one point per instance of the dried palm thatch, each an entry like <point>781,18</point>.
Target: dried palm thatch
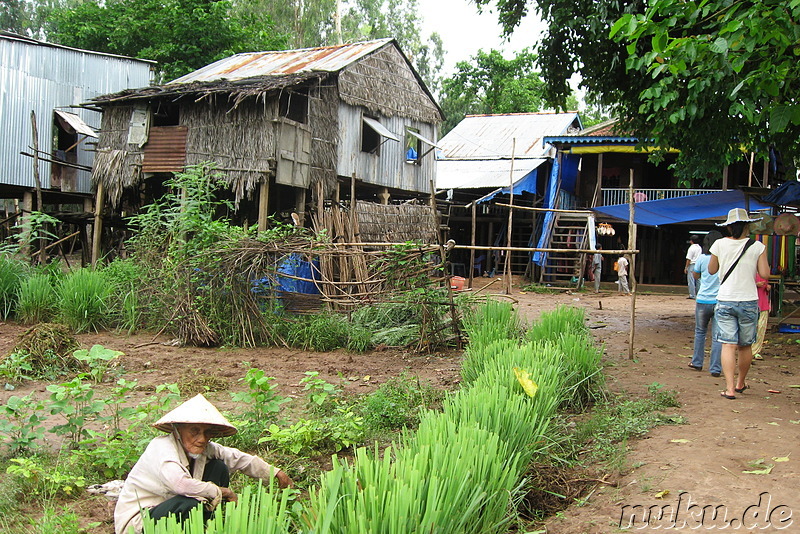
<point>396,223</point>
<point>49,348</point>
<point>117,165</point>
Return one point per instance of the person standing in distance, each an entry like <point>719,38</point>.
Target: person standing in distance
<point>597,268</point>
<point>737,258</point>
<point>691,256</point>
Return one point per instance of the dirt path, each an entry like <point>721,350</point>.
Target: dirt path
<point>721,438</point>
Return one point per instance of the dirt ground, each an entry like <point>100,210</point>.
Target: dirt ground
<point>685,472</point>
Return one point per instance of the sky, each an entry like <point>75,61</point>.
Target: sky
<point>464,31</point>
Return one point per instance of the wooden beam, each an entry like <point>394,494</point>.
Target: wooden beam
<point>263,205</point>
<point>98,223</point>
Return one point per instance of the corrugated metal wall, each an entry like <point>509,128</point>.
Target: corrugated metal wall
<point>39,77</point>
<point>388,169</point>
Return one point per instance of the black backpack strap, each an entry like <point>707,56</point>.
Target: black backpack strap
<point>747,245</point>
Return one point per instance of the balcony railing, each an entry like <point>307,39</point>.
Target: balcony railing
<point>612,196</point>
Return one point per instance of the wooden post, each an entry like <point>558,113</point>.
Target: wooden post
<point>263,205</point>
<point>300,204</point>
<point>725,178</point>
<point>384,196</point>
<point>507,268</point>
<point>98,223</point>
<point>353,206</point>
<point>750,170</point>
<point>37,180</point>
<point>632,266</point>
<point>598,191</point>
<point>472,242</point>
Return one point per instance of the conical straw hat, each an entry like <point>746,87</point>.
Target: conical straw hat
<point>196,410</point>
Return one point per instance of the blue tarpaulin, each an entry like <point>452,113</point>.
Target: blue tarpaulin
<point>526,185</point>
<point>787,194</point>
<point>682,209</point>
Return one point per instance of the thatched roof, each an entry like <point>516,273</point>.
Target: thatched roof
<point>238,89</point>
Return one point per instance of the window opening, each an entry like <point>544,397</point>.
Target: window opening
<point>166,114</point>
<point>374,134</point>
<point>293,105</point>
<point>413,146</point>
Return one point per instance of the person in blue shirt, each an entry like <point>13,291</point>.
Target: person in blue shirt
<point>705,302</point>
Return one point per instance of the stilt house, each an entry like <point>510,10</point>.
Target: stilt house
<point>291,131</point>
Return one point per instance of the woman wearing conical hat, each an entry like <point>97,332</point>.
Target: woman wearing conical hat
<point>184,468</point>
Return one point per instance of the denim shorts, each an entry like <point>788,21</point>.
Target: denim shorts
<point>736,322</point>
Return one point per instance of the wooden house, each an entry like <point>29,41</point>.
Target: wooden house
<point>290,130</point>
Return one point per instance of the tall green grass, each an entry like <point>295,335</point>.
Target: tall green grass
<point>551,324</point>
<point>83,300</point>
<point>259,510</point>
<point>36,299</point>
<point>491,321</point>
<point>12,273</point>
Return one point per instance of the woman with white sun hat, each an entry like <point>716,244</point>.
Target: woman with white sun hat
<point>737,258</point>
<point>184,468</point>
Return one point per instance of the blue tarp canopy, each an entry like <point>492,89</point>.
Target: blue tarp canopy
<point>682,209</point>
<point>787,194</point>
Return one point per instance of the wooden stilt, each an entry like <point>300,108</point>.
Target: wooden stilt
<point>98,223</point>
<point>632,266</point>
<point>507,268</point>
<point>263,205</point>
<point>472,242</point>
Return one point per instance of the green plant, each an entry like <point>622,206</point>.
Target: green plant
<point>98,358</point>
<point>258,510</point>
<point>12,273</point>
<point>36,299</point>
<point>45,481</point>
<point>491,321</point>
<point>83,300</point>
<point>312,436</point>
<point>22,423</point>
<point>264,405</point>
<point>318,391</point>
<point>321,332</point>
<point>15,367</point>
<point>112,454</point>
<point>399,402</point>
<point>75,402</point>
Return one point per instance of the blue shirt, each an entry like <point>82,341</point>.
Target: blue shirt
<point>709,283</point>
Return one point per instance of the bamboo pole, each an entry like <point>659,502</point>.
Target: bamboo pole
<point>507,267</point>
<point>98,223</point>
<point>472,242</point>
<point>631,245</point>
<point>38,182</point>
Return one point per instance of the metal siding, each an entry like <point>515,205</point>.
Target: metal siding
<point>165,150</point>
<point>389,169</point>
<point>38,77</point>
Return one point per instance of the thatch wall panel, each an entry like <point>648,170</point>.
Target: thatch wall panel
<point>384,83</point>
<point>117,165</point>
<point>396,223</point>
<point>241,141</point>
<point>324,123</point>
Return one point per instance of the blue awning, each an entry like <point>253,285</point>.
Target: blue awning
<point>682,209</point>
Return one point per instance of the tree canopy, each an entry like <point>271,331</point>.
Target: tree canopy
<point>489,83</point>
<point>712,78</point>
<point>182,35</point>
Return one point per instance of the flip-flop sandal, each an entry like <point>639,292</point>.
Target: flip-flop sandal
<point>741,390</point>
<point>729,397</point>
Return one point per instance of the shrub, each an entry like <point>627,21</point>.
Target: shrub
<point>399,403</point>
<point>84,300</point>
<point>12,273</point>
<point>36,299</point>
<point>491,321</point>
<point>321,332</point>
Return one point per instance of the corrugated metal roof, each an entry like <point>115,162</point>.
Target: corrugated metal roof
<point>252,64</point>
<point>76,123</point>
<point>479,174</point>
<point>602,133</point>
<point>491,136</point>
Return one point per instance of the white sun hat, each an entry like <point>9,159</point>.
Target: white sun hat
<point>196,410</point>
<point>738,215</point>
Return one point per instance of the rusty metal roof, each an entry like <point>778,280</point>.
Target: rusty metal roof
<point>253,64</point>
<point>492,136</point>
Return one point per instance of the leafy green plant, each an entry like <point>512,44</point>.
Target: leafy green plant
<point>36,299</point>
<point>493,320</point>
<point>45,481</point>
<point>263,401</point>
<point>15,367</point>
<point>83,300</point>
<point>74,401</point>
<point>22,423</point>
<point>98,359</point>
<point>321,332</point>
<point>313,436</point>
<point>318,391</point>
<point>112,454</point>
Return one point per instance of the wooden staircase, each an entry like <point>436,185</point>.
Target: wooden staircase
<point>569,232</point>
